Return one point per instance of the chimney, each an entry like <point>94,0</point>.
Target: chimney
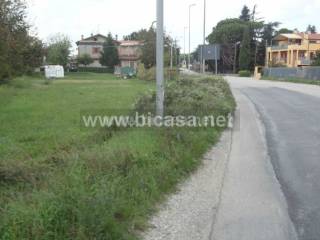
<point>91,34</point>
<point>117,37</point>
<point>82,37</point>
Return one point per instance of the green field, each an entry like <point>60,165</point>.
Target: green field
<point>59,181</point>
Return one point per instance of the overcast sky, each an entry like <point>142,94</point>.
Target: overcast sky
<point>121,17</point>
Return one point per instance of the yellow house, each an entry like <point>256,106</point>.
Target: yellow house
<point>293,50</point>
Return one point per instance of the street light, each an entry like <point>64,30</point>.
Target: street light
<point>189,58</point>
<point>153,23</point>
<point>160,64</point>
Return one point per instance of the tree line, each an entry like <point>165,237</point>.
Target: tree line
<point>20,52</point>
<point>244,39</point>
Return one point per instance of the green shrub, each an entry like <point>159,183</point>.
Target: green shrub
<point>5,72</point>
<point>20,82</point>
<point>96,69</point>
<point>244,73</point>
<point>192,96</point>
<point>150,74</point>
<point>146,74</point>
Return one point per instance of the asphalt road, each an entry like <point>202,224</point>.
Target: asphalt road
<point>290,114</point>
<point>262,181</point>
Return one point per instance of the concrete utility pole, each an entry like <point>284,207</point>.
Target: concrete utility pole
<point>204,38</point>
<point>189,57</point>
<point>160,64</point>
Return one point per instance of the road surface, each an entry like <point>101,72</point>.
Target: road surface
<point>290,117</point>
<point>264,183</point>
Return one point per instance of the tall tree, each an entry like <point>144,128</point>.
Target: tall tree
<point>109,55</point>
<point>283,31</point>
<point>19,51</point>
<point>148,49</point>
<point>58,50</point>
<point>245,51</point>
<point>85,59</point>
<point>311,29</point>
<point>268,32</point>
<point>245,14</point>
<point>316,60</point>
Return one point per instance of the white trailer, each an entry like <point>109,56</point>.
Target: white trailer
<point>54,71</point>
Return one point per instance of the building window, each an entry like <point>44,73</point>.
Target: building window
<point>95,50</point>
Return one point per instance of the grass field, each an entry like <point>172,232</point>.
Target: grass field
<point>58,181</point>
<point>293,80</point>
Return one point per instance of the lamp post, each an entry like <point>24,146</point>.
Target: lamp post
<point>160,64</point>
<point>189,57</point>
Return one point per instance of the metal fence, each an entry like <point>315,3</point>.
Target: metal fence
<point>310,73</point>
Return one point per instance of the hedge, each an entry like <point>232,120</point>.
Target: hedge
<point>96,69</point>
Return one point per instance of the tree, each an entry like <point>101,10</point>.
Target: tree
<point>245,14</point>
<point>228,31</point>
<point>20,52</point>
<point>138,36</point>
<point>284,31</point>
<point>311,29</point>
<point>109,55</point>
<point>85,59</point>
<point>269,31</point>
<point>58,50</point>
<point>245,54</point>
<point>148,49</point>
<point>316,60</point>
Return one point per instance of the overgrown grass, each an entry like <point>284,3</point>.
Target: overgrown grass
<point>293,80</point>
<point>60,182</point>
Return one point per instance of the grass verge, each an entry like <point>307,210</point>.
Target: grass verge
<point>58,182</point>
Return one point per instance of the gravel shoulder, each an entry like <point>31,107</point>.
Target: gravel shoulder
<point>189,214</point>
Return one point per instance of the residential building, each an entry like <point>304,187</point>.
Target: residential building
<point>293,50</point>
<point>129,51</point>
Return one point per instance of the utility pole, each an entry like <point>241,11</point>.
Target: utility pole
<point>204,38</point>
<point>189,57</point>
<point>160,64</point>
